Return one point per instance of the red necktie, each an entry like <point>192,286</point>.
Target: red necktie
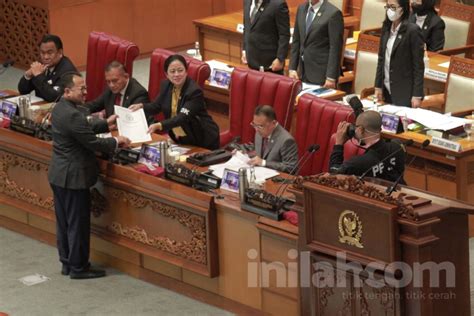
<point>264,145</point>
<point>118,99</point>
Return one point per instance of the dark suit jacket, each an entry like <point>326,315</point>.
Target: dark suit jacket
<point>269,36</point>
<point>432,30</point>
<point>281,152</point>
<point>321,48</point>
<point>135,93</point>
<point>47,87</point>
<point>192,116</point>
<point>73,164</point>
<point>406,63</point>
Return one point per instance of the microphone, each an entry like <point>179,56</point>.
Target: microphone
<point>402,147</point>
<point>8,63</point>
<point>355,104</point>
<point>392,188</point>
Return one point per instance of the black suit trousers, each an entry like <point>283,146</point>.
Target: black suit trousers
<point>73,209</point>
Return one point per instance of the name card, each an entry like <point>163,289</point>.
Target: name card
<point>436,75</point>
<point>240,28</point>
<point>350,53</point>
<point>445,144</point>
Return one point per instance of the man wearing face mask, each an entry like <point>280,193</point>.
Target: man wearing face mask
<point>432,26</point>
<point>367,132</point>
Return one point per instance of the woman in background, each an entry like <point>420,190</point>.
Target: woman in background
<point>432,26</point>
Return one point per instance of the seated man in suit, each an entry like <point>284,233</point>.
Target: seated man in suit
<point>274,146</point>
<point>121,90</point>
<point>367,131</point>
<point>43,75</point>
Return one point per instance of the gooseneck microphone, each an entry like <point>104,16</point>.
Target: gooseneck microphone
<point>392,188</point>
<point>402,147</point>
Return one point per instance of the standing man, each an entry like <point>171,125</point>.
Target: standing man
<point>317,43</point>
<point>274,146</point>
<point>73,170</point>
<point>266,34</point>
<point>43,76</point>
<point>121,90</point>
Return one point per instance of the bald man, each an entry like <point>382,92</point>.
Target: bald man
<point>367,134</point>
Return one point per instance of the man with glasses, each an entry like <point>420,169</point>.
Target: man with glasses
<point>43,75</point>
<point>73,170</point>
<point>367,133</point>
<point>275,148</point>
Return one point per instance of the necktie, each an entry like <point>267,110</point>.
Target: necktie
<point>264,146</point>
<point>309,18</point>
<point>254,11</point>
<point>178,131</point>
<point>118,99</point>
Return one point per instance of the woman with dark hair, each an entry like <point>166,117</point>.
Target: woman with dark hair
<point>432,26</point>
<point>181,101</point>
<point>400,68</point>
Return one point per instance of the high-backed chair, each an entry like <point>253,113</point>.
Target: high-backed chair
<point>317,120</point>
<point>197,70</point>
<point>103,48</point>
<point>459,24</point>
<point>340,4</point>
<point>372,14</point>
<point>250,88</point>
<point>365,63</point>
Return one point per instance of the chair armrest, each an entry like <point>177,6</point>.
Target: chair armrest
<point>367,92</point>
<point>468,50</point>
<point>347,76</point>
<point>377,31</point>
<point>434,102</point>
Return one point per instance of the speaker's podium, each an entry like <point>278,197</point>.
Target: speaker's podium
<point>373,254</point>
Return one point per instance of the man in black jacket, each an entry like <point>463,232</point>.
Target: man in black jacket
<point>367,132</point>
<point>43,76</point>
<point>73,170</point>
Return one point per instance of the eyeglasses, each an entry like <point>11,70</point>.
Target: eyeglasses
<point>256,126</point>
<point>391,7</point>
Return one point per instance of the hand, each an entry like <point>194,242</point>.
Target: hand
<point>255,161</point>
<point>415,102</point>
<point>28,74</point>
<point>244,58</point>
<point>37,68</point>
<point>293,75</point>
<point>155,127</point>
<point>378,95</point>
<point>135,107</point>
<point>123,141</point>
<point>341,133</point>
<point>277,65</point>
<point>330,84</point>
<point>111,122</point>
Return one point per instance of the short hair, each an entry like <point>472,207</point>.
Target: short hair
<point>67,80</point>
<point>172,58</point>
<point>114,64</point>
<point>371,121</point>
<point>267,111</point>
<point>52,38</point>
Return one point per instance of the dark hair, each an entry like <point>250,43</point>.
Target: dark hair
<point>172,58</point>
<point>114,64</point>
<point>429,5</point>
<point>67,80</point>
<point>52,38</point>
<point>405,4</point>
<point>267,111</point>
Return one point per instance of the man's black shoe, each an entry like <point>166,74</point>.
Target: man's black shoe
<point>89,274</point>
<point>65,270</point>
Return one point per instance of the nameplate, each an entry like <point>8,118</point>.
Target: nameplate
<point>445,144</point>
<point>240,28</point>
<point>436,75</point>
<point>350,53</point>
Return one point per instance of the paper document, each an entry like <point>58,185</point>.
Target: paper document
<point>444,65</point>
<point>33,98</point>
<point>132,124</point>
<point>316,90</point>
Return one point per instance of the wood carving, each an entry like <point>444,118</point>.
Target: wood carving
<point>439,170</point>
<point>456,11</point>
<point>387,299</point>
<point>462,67</point>
<point>368,43</point>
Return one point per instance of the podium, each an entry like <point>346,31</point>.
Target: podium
<point>372,254</point>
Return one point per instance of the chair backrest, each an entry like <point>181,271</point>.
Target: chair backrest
<point>372,14</point>
<point>250,88</point>
<point>197,70</point>
<point>459,24</point>
<point>459,91</point>
<point>103,48</point>
<point>340,4</point>
<point>366,62</point>
<point>317,119</point>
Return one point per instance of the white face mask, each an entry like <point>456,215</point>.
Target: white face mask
<point>394,15</point>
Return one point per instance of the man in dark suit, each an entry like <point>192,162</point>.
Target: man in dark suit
<point>317,43</point>
<point>274,146</point>
<point>431,25</point>
<point>43,75</point>
<point>266,34</point>
<point>73,170</point>
<point>121,90</point>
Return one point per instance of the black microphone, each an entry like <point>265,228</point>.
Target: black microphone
<point>402,147</point>
<point>392,188</point>
<point>8,63</point>
<point>355,104</point>
<point>309,152</point>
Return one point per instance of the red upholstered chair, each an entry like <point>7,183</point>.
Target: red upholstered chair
<point>103,48</point>
<point>250,88</point>
<point>317,120</point>
<point>199,71</point>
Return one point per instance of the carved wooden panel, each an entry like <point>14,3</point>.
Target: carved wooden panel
<point>368,43</point>
<point>23,28</point>
<point>457,11</point>
<point>463,67</point>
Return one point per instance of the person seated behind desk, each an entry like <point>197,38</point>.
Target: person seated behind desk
<point>367,132</point>
<point>182,102</point>
<point>274,145</point>
<point>121,90</point>
<point>432,26</point>
<point>43,76</point>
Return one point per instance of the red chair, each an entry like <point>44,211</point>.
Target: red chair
<point>197,70</point>
<point>103,48</point>
<point>250,88</point>
<point>316,122</point>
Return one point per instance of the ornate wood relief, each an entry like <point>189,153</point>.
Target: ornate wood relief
<point>194,250</point>
<point>462,67</point>
<point>23,28</point>
<point>368,43</point>
<point>12,189</point>
<point>456,11</point>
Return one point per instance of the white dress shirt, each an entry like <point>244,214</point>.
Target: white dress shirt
<point>316,8</point>
<point>420,20</point>
<point>388,54</point>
